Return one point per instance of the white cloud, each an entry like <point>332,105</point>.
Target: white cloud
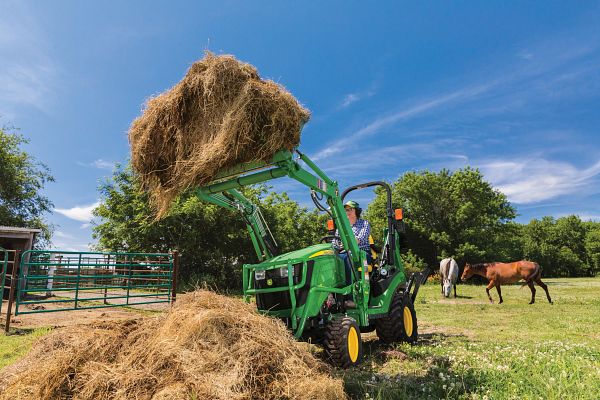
<point>589,217</point>
<point>79,213</point>
<point>69,246</point>
<point>85,226</point>
<point>533,180</point>
<point>62,235</point>
<point>100,164</point>
<point>525,55</point>
<point>584,216</point>
<point>349,99</point>
<point>103,164</point>
<point>403,114</point>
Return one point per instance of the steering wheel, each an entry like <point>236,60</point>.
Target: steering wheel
<point>329,238</point>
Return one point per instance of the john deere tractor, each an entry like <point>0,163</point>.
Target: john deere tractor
<point>308,288</point>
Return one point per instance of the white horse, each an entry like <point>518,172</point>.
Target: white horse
<point>449,274</point>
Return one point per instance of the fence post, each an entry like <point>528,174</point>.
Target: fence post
<point>14,282</point>
<point>103,280</point>
<point>174,273</point>
<point>3,279</point>
<point>51,270</point>
<point>129,263</point>
<point>77,281</point>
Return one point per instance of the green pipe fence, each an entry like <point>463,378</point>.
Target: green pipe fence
<point>56,280</point>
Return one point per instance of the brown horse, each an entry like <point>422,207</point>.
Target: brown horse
<point>502,273</point>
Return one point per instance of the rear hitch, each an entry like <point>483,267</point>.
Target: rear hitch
<point>415,281</point>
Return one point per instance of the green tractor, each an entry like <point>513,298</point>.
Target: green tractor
<point>308,288</point>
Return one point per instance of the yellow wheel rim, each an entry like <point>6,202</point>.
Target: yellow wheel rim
<point>353,344</point>
<point>408,322</point>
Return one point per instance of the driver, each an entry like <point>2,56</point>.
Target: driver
<point>361,229</point>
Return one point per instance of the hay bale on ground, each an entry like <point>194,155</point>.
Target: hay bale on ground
<point>207,347</point>
<point>219,115</point>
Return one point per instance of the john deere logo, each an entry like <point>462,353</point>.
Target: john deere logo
<point>269,282</point>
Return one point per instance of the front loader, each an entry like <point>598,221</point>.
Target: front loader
<point>307,288</point>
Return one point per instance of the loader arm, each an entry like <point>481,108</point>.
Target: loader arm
<point>262,239</point>
<point>282,164</point>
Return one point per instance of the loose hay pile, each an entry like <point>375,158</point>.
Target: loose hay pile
<point>207,347</point>
<point>219,115</point>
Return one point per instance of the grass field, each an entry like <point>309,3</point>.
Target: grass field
<point>476,350</point>
<point>471,349</point>
<point>15,345</point>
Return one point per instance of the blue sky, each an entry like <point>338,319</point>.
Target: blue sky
<point>512,88</point>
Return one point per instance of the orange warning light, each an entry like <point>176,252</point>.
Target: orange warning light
<point>398,215</point>
<point>330,225</point>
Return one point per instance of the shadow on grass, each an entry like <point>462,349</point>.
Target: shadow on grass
<point>442,298</point>
<point>416,375</point>
<point>20,331</point>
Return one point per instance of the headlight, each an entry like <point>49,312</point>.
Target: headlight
<point>283,272</point>
<point>259,275</point>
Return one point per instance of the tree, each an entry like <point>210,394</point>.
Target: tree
<point>448,214</point>
<point>563,247</point>
<point>213,242</point>
<point>22,180</point>
<point>592,247</point>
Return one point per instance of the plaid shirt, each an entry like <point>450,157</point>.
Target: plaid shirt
<point>362,230</point>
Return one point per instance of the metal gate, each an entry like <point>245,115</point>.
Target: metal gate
<point>50,281</point>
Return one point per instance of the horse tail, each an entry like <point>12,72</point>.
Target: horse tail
<point>537,273</point>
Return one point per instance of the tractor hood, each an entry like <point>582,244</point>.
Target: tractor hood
<point>306,253</point>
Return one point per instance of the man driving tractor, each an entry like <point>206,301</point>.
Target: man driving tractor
<point>362,231</point>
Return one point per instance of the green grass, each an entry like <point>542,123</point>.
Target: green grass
<point>475,349</point>
<point>14,345</point>
<point>472,349</point>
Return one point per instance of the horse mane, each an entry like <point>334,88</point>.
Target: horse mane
<point>479,266</point>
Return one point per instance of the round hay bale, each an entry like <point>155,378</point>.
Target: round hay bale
<point>219,115</point>
<point>207,346</point>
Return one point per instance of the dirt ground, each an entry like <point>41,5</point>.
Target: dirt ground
<point>76,317</point>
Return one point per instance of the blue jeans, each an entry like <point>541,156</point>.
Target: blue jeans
<point>348,264</point>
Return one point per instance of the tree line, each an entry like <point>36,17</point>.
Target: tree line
<point>458,214</point>
<point>446,213</point>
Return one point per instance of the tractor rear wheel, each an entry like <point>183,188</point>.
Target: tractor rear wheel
<point>401,321</point>
<point>342,343</point>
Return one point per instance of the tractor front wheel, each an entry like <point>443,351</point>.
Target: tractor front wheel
<point>410,333</point>
<point>342,343</point>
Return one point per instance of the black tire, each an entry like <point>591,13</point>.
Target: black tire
<point>389,329</point>
<point>409,320</point>
<point>342,343</point>
<point>392,328</point>
<point>367,329</point>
